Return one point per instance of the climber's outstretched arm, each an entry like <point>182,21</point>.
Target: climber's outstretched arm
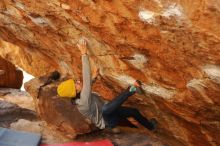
<point>85,98</point>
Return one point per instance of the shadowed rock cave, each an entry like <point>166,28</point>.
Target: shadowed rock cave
<point>173,47</point>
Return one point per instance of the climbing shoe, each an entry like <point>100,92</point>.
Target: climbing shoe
<point>136,87</point>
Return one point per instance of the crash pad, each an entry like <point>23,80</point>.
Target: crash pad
<point>10,137</point>
<point>95,143</point>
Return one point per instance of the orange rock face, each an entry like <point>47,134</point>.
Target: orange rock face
<point>10,77</point>
<point>172,46</point>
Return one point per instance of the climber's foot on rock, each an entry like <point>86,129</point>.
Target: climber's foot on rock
<point>136,87</point>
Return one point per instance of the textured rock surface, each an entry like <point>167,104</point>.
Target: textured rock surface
<point>18,97</point>
<point>10,77</point>
<point>10,113</point>
<point>172,46</point>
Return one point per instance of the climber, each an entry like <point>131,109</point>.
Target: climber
<point>106,115</point>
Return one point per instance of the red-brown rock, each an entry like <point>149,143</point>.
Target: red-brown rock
<point>10,76</point>
<point>57,112</point>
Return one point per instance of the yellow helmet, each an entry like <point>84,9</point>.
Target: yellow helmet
<point>67,89</point>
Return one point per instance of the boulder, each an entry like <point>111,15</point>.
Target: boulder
<point>58,112</point>
<point>10,76</point>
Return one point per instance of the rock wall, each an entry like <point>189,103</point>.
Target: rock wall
<point>172,46</point>
<point>10,76</point>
